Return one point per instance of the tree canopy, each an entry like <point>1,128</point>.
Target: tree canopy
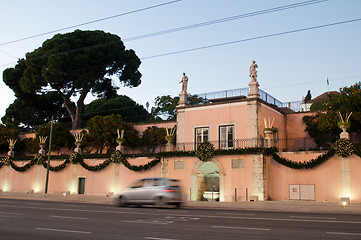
<point>61,135</point>
<point>103,133</point>
<point>129,110</point>
<point>323,126</point>
<point>165,106</point>
<point>73,65</point>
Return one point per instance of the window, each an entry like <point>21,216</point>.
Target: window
<point>226,136</point>
<point>202,135</point>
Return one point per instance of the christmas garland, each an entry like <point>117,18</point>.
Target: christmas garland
<point>57,168</point>
<point>344,147</point>
<point>304,165</point>
<point>205,151</point>
<point>117,157</point>
<point>23,168</point>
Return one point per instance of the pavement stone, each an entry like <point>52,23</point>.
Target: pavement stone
<point>285,206</point>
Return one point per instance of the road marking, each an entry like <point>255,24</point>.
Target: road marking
<point>243,228</point>
<point>154,238</point>
<point>182,219</point>
<point>11,213</point>
<point>80,218</point>
<point>69,205</point>
<point>186,215</point>
<point>148,222</point>
<point>237,214</point>
<point>61,230</point>
<point>6,216</point>
<point>340,233</point>
<point>308,217</point>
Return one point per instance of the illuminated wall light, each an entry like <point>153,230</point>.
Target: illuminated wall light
<point>73,189</point>
<point>37,188</point>
<point>6,187</point>
<point>345,201</point>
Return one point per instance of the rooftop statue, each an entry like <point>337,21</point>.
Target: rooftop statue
<point>184,82</point>
<point>252,71</point>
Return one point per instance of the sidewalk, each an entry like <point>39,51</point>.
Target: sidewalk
<point>285,206</point>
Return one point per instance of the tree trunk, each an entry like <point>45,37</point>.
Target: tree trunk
<point>77,123</point>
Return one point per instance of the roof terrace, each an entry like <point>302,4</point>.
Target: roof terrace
<point>295,105</point>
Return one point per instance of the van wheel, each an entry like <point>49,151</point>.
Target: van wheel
<point>121,202</point>
<point>160,203</point>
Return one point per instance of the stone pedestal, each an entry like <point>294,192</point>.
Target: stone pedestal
<point>164,167</point>
<point>258,181</point>
<point>344,133</point>
<point>268,138</point>
<point>346,177</point>
<point>11,152</point>
<point>120,146</point>
<point>182,99</point>
<point>253,89</point>
<point>78,149</point>
<point>42,151</point>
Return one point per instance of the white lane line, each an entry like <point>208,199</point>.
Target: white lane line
<point>155,238</point>
<point>143,222</point>
<point>11,213</point>
<point>61,230</point>
<point>243,228</point>
<point>69,205</point>
<point>340,233</point>
<point>80,218</point>
<point>237,214</point>
<point>7,216</point>
<point>308,217</point>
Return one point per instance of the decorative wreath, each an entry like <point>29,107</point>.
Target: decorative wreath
<point>205,151</point>
<point>343,147</point>
<point>116,157</point>
<point>38,159</point>
<point>74,158</point>
<point>6,160</point>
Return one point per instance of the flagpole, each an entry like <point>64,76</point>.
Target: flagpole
<point>328,86</point>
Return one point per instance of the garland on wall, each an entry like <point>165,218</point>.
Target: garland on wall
<point>343,148</point>
<point>304,165</point>
<point>117,157</point>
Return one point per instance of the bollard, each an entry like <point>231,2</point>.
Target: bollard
<point>212,193</point>
<point>235,195</point>
<point>246,194</point>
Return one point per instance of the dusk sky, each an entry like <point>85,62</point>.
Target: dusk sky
<point>296,47</point>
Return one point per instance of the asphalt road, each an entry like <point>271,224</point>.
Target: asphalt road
<point>27,219</point>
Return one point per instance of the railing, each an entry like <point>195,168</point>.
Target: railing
<point>225,94</point>
<point>289,144</point>
<point>295,105</point>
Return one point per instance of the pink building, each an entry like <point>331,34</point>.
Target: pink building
<point>238,119</point>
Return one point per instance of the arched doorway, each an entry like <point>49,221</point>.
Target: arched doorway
<point>208,182</point>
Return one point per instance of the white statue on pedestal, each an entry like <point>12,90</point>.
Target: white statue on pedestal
<point>253,84</point>
<point>252,71</point>
<point>183,94</point>
<point>184,82</point>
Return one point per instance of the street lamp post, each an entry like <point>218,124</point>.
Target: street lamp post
<point>48,166</point>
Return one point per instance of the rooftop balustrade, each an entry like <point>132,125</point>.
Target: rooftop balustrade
<point>228,94</point>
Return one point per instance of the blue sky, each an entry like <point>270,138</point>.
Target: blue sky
<point>289,65</point>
